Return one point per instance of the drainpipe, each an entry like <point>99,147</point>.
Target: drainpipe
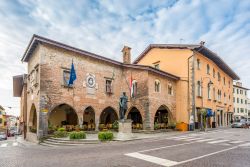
<point>193,91</point>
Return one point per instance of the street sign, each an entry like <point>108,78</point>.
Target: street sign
<point>45,110</point>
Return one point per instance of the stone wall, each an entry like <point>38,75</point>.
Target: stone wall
<point>51,91</point>
<point>33,91</point>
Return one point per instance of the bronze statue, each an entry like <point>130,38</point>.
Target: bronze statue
<point>123,105</point>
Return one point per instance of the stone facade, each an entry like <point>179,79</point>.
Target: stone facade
<point>46,88</point>
<point>240,101</point>
<point>206,81</point>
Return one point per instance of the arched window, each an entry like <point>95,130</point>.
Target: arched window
<point>170,89</point>
<point>219,76</point>
<point>225,98</point>
<point>157,86</point>
<point>208,69</point>
<point>219,95</point>
<point>208,91</point>
<point>134,88</point>
<point>199,88</point>
<point>198,64</point>
<point>214,94</point>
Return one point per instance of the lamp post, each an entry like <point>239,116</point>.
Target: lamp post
<point>202,103</point>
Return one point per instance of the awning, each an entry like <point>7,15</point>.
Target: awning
<point>210,113</point>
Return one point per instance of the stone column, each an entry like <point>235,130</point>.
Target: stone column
<point>42,129</point>
<point>97,120</point>
<point>80,120</point>
<point>148,124</point>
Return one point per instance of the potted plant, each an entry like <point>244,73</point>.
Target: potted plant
<point>115,125</point>
<point>156,126</point>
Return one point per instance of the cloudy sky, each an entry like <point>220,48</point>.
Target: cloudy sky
<point>103,27</point>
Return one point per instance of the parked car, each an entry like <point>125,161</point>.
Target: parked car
<point>18,132</point>
<point>11,133</point>
<point>239,124</point>
<point>248,123</point>
<point>3,136</point>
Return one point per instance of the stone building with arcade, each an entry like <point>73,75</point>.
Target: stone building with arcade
<point>93,101</point>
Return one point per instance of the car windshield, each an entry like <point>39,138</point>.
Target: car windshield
<point>242,121</point>
<point>2,133</point>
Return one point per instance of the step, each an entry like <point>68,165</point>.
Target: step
<point>48,145</point>
<point>73,141</point>
<point>60,144</point>
<point>67,139</point>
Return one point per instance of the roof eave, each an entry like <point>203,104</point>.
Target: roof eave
<point>149,68</point>
<point>227,69</point>
<point>36,39</point>
<point>241,87</point>
<point>197,48</point>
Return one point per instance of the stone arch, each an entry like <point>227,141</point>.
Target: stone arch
<point>137,119</point>
<point>62,114</point>
<point>33,119</point>
<point>137,106</point>
<point>89,118</point>
<point>163,116</point>
<point>108,115</point>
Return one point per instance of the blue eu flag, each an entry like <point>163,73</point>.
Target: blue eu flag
<point>72,76</point>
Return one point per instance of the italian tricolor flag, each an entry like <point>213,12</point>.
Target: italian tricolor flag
<point>132,93</point>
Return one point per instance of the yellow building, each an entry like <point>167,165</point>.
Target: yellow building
<point>3,124</point>
<point>205,85</point>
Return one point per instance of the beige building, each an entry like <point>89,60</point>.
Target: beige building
<point>205,85</point>
<point>240,101</point>
<point>248,107</point>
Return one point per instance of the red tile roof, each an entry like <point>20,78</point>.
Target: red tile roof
<point>198,48</point>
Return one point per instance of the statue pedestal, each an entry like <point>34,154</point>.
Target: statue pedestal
<point>125,130</point>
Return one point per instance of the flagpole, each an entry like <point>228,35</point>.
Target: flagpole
<point>126,80</point>
<point>73,92</point>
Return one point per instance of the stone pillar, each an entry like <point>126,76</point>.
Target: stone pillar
<point>224,119</point>
<point>97,120</point>
<point>227,118</point>
<point>42,129</point>
<point>97,124</point>
<point>80,120</point>
<point>148,124</point>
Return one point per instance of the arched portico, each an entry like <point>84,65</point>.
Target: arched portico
<point>63,115</point>
<point>108,117</point>
<point>136,117</point>
<point>33,119</point>
<point>89,119</point>
<point>162,117</point>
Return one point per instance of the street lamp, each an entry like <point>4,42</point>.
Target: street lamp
<point>202,106</point>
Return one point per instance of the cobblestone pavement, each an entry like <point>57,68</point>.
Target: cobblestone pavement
<point>224,147</point>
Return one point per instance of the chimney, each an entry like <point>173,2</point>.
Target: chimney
<point>126,55</point>
<point>202,43</point>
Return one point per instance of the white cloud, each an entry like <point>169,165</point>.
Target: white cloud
<point>103,27</point>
